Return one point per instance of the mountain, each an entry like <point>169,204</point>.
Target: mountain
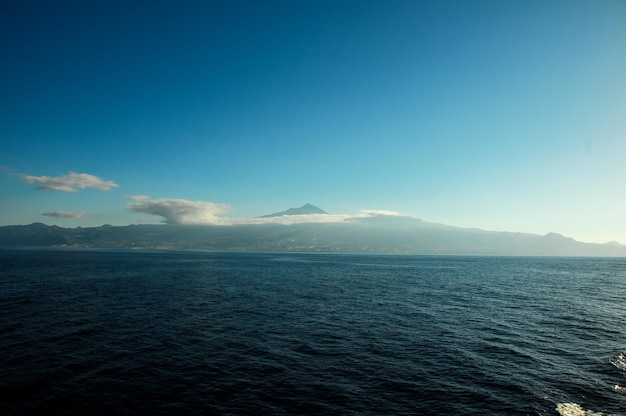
<point>373,234</point>
<point>305,209</point>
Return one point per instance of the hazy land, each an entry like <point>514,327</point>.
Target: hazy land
<point>371,234</point>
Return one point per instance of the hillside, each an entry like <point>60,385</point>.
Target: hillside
<point>375,234</point>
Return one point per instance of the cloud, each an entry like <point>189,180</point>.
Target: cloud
<point>65,214</point>
<point>292,219</point>
<point>312,218</point>
<point>70,183</point>
<point>180,211</point>
<point>372,212</point>
<point>184,211</point>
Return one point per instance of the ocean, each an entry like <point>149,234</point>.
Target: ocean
<point>89,332</point>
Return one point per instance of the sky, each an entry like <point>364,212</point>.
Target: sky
<point>506,116</point>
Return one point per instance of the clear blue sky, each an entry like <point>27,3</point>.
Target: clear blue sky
<point>501,115</point>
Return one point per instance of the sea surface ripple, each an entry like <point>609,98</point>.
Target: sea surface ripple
<point>140,332</point>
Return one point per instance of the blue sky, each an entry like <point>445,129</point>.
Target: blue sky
<point>488,114</point>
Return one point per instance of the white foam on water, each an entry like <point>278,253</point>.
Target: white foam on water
<point>574,409</point>
<point>619,361</point>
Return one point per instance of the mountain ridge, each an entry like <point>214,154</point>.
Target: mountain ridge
<point>384,234</point>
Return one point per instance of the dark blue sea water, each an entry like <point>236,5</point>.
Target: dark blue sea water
<point>121,332</point>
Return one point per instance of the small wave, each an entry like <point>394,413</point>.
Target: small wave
<point>574,409</point>
<point>619,361</point>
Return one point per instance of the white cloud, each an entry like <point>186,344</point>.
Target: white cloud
<point>70,183</point>
<point>180,211</point>
<point>184,211</point>
<point>312,218</point>
<point>372,212</point>
<point>292,219</point>
<point>65,214</point>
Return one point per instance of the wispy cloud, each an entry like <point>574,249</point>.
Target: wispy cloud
<point>65,214</point>
<point>180,211</point>
<point>184,211</point>
<point>312,218</point>
<point>372,212</point>
<point>70,183</point>
<point>292,219</point>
